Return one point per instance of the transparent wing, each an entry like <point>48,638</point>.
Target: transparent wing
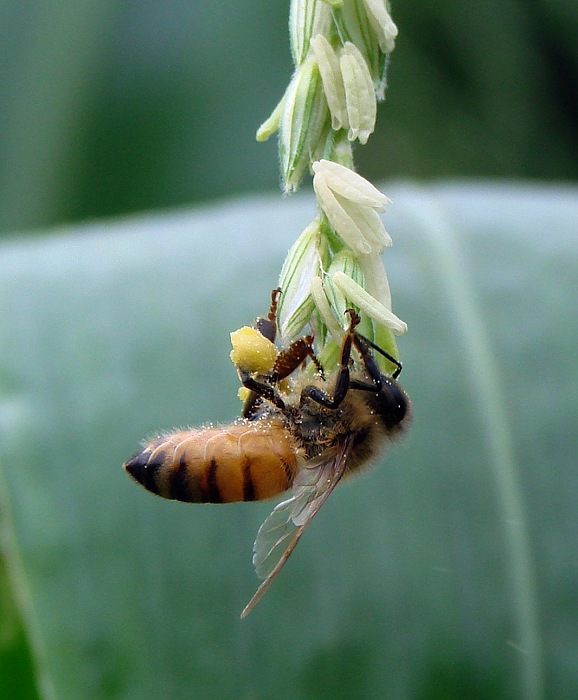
<point>279,534</point>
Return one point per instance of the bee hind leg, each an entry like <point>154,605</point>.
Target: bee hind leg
<point>292,357</point>
<point>267,326</point>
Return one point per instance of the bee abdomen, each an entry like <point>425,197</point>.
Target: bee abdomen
<point>240,462</point>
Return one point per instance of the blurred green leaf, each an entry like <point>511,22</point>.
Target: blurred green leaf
<point>113,107</point>
<point>16,668</point>
<point>449,571</point>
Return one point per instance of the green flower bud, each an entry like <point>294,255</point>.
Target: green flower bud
<point>307,18</point>
<point>368,25</point>
<point>304,261</point>
<point>304,125</point>
<point>353,25</point>
<point>270,125</point>
<point>326,314</point>
<point>346,263</point>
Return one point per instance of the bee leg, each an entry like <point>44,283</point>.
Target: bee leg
<point>261,390</point>
<point>313,356</point>
<point>268,326</point>
<point>363,344</point>
<point>343,381</point>
<point>289,359</point>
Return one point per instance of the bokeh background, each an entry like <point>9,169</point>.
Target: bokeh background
<point>115,107</point>
<point>110,328</point>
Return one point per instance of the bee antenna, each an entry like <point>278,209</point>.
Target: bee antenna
<point>384,353</point>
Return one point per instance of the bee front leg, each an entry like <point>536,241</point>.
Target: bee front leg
<point>343,382</point>
<point>363,346</point>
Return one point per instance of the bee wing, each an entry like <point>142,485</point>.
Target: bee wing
<point>279,534</point>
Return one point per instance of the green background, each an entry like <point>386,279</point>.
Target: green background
<point>447,572</point>
<point>112,107</point>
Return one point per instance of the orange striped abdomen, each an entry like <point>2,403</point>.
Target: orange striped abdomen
<point>244,461</point>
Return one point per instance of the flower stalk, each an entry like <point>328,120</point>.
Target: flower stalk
<point>340,50</point>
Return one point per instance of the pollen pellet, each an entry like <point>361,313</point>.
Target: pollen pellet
<point>251,351</point>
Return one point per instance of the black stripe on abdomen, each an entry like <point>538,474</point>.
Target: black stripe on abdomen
<point>150,473</point>
<point>248,483</point>
<point>213,494</point>
<point>184,483</point>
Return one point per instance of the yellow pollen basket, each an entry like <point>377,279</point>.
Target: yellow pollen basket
<point>252,352</point>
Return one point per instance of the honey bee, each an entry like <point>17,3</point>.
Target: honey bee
<point>302,434</point>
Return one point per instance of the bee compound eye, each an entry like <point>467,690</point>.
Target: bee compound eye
<point>395,402</point>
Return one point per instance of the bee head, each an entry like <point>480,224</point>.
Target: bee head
<point>392,403</point>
